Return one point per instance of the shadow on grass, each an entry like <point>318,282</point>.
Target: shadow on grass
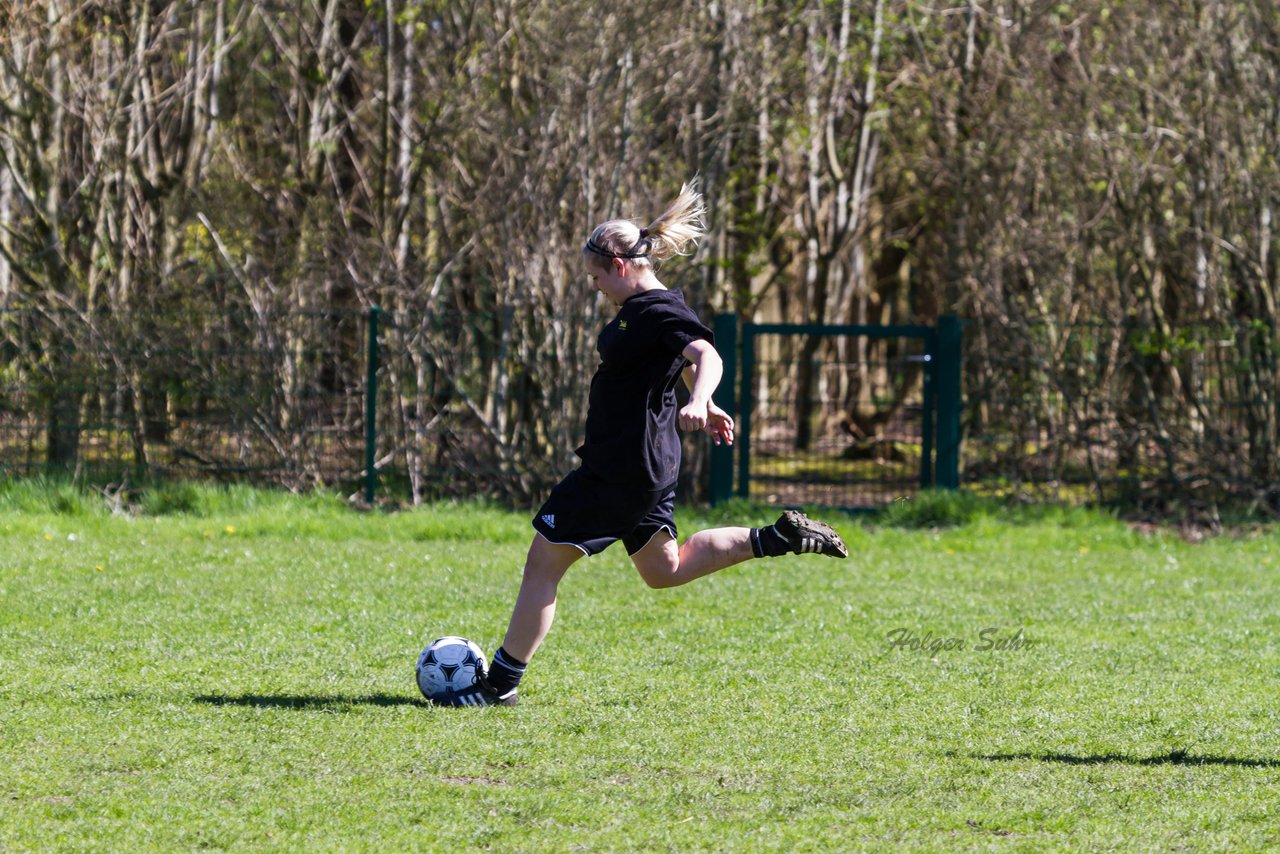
<point>1174,757</point>
<point>295,701</point>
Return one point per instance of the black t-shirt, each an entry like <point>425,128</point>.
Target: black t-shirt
<point>631,413</point>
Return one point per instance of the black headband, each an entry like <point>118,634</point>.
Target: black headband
<point>636,251</point>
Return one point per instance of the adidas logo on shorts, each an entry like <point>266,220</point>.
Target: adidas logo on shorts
<point>550,520</point>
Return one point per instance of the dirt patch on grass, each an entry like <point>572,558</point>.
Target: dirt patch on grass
<point>475,781</point>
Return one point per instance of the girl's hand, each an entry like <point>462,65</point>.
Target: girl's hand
<point>692,416</point>
<point>719,425</point>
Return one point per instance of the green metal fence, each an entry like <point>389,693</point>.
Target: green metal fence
<point>232,394</point>
<point>843,415</point>
<point>479,404</point>
<point>1125,411</point>
<point>437,402</point>
<point>425,405</point>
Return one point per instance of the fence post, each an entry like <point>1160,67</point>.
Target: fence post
<point>928,407</point>
<point>371,409</point>
<point>726,332</point>
<point>948,401</point>
<point>745,403</point>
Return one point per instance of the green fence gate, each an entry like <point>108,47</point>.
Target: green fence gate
<point>841,416</point>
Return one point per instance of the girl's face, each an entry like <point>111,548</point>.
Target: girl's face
<point>612,280</point>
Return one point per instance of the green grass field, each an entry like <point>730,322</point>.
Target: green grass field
<point>239,675</point>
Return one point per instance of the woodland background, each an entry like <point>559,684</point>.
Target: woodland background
<point>198,200</point>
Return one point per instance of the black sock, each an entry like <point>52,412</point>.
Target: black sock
<point>767,542</point>
<point>505,672</point>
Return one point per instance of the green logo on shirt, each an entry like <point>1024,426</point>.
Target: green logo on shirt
<point>622,325</point>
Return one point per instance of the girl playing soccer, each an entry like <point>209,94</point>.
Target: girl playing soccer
<point>625,487</point>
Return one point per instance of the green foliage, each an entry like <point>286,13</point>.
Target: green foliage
<point>45,494</point>
<point>736,511</point>
<point>942,508</point>
<point>170,498</point>
<point>937,508</point>
<point>1153,342</point>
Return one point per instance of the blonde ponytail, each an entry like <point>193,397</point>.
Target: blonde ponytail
<point>681,226</point>
<point>673,233</point>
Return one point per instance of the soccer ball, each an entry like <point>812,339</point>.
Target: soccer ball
<point>449,666</point>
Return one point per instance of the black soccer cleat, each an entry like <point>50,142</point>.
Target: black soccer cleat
<point>807,536</point>
<point>480,694</point>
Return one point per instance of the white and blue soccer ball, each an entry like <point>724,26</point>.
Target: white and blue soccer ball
<point>448,667</point>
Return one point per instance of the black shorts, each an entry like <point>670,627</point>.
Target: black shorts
<point>591,514</point>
